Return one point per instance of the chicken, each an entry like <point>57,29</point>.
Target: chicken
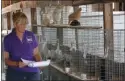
<point>45,19</point>
<point>75,16</point>
<point>45,50</point>
<point>73,47</point>
<point>57,14</point>
<point>59,51</point>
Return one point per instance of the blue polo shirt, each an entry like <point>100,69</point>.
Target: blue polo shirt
<point>21,49</point>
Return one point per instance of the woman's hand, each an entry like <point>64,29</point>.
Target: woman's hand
<point>21,64</point>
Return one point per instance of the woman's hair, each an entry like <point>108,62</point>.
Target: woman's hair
<point>19,18</point>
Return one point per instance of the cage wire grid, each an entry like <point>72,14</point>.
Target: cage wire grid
<point>89,56</point>
<point>85,53</point>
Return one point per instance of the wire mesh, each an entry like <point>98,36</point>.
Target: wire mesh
<point>83,49</point>
<point>89,57</point>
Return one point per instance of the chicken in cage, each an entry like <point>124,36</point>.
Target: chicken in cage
<point>89,59</point>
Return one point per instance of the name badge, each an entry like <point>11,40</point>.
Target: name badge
<point>29,39</point>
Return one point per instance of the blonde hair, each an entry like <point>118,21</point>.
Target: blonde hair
<point>19,18</point>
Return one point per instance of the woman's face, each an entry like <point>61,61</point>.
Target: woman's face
<point>20,28</point>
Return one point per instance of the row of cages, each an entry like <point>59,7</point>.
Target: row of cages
<point>83,52</point>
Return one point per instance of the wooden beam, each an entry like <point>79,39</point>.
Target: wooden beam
<point>18,6</point>
<point>108,30</point>
<point>43,3</point>
<point>33,4</point>
<point>68,26</point>
<point>10,8</point>
<point>85,2</point>
<point>6,3</point>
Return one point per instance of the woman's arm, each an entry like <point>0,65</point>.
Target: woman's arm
<point>8,61</point>
<point>36,54</point>
<point>12,63</point>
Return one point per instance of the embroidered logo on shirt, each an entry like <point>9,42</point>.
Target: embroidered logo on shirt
<point>29,39</point>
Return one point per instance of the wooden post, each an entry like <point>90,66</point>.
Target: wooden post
<point>108,41</point>
<point>108,30</point>
<point>34,19</point>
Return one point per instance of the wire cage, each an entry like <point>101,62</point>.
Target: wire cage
<point>115,69</point>
<point>83,51</point>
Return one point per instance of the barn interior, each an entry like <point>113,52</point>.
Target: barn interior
<point>85,39</point>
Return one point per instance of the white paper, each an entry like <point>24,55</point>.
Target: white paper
<point>39,64</point>
<point>26,61</point>
<point>36,64</point>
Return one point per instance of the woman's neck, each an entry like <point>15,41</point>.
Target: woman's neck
<point>19,35</point>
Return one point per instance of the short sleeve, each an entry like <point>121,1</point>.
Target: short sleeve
<point>6,45</point>
<point>35,41</point>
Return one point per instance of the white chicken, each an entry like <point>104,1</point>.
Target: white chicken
<point>47,16</point>
<point>73,48</point>
<point>45,49</point>
<point>58,51</point>
<point>45,19</point>
<point>57,14</point>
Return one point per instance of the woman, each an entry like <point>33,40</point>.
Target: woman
<point>21,43</point>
